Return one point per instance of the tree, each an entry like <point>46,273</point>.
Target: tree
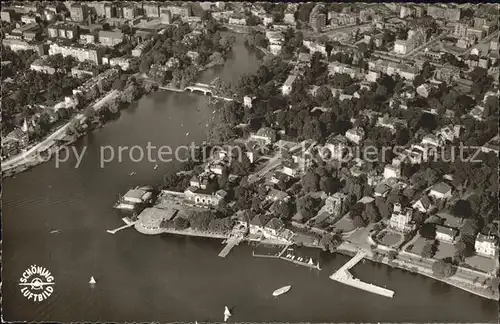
<point>443,268</point>
<point>383,207</point>
<point>200,221</point>
<point>428,231</point>
<point>282,209</point>
<point>330,242</point>
<point>180,223</point>
<point>429,249</point>
<point>371,213</point>
<point>392,255</point>
<point>358,221</point>
<point>308,206</point>
<point>310,182</point>
<point>329,185</point>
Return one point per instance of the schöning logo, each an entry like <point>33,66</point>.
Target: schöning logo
<point>37,283</point>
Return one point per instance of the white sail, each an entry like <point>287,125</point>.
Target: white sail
<point>227,314</point>
<point>311,261</point>
<point>92,281</point>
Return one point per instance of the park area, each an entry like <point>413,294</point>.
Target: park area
<point>389,238</point>
<point>345,224</point>
<point>481,263</point>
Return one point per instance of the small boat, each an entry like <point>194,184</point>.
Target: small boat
<point>281,291</point>
<point>92,281</point>
<point>227,313</point>
<point>156,166</point>
<point>55,232</point>
<point>187,133</point>
<point>131,173</point>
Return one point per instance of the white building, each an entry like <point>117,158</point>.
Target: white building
<point>286,88</point>
<point>424,204</point>
<point>440,191</point>
<point>401,220</point>
<point>446,234</point>
<point>355,135</point>
<point>485,245</point>
<point>392,171</point>
<point>247,101</point>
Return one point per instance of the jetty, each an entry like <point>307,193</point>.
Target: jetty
<point>128,223</point>
<point>230,243</point>
<point>343,275</point>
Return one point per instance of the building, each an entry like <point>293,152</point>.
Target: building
<point>122,62</point>
<point>202,197</point>
<point>139,49</point>
<point>63,30</point>
<point>318,21</point>
<point>337,67</point>
<point>334,204</point>
<point>314,46</point>
<point>21,45</point>
<point>110,10</point>
<point>273,227</point>
<point>110,38</point>
<point>81,53</point>
<point>78,12</point>
<point>446,234</point>
<point>258,223</point>
<point>448,14</point>
<point>485,245</point>
<point>178,11</point>
<point>440,191</point>
<point>165,15</point>
<point>41,66</point>
<point>267,19</point>
<point>237,20</point>
<point>355,135</point>
<point>8,15</point>
<point>415,39</point>
<point>392,171</point>
<point>289,18</point>
<point>128,11</point>
<point>265,134</point>
<point>286,88</point>
<point>401,219</point>
<point>247,101</point>
<point>424,204</point>
<point>151,9</point>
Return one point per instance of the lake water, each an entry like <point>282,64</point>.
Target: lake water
<point>170,278</point>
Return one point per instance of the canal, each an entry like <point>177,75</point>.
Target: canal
<point>168,278</point>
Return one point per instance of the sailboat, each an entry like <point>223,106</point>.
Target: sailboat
<point>311,261</point>
<point>92,281</point>
<point>227,313</point>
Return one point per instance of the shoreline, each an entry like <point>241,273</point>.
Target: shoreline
<point>343,249</point>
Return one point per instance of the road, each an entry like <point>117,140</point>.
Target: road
<point>271,164</point>
<point>40,147</point>
<point>50,140</point>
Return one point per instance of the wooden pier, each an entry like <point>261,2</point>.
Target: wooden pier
<point>343,275</point>
<point>121,228</point>
<point>230,243</point>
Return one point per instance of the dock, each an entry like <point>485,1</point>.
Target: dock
<point>343,275</point>
<point>230,243</point>
<point>121,228</point>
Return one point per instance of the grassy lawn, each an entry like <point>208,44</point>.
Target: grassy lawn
<point>345,224</point>
<point>418,245</point>
<point>445,250</point>
<point>390,238</point>
<point>481,263</point>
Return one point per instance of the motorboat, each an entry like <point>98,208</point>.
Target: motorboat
<point>55,232</point>
<point>155,167</point>
<point>281,291</point>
